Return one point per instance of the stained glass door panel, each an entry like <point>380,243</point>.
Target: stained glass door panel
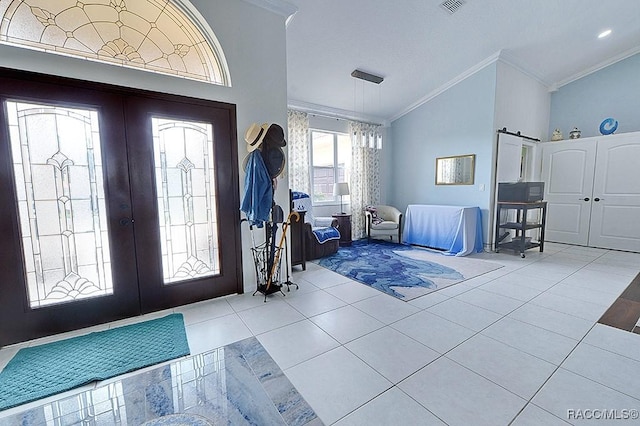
<point>61,202</point>
<point>185,184</point>
<point>187,215</point>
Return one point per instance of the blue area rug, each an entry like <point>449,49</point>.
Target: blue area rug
<point>40,371</point>
<point>402,271</point>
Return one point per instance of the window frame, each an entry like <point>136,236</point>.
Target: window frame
<point>335,200</point>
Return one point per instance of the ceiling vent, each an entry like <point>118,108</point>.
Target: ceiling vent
<point>366,76</point>
<point>452,6</point>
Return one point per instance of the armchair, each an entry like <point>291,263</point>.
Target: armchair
<point>383,221</point>
<point>315,229</point>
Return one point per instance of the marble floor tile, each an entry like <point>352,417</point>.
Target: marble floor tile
<point>465,314</point>
<point>544,344</point>
<point>385,308</point>
<point>346,323</point>
<point>206,310</point>
<point>566,392</point>
<point>428,300</point>
<point>549,319</point>
<point>336,383</point>
<point>455,289</point>
<point>269,316</point>
<point>393,407</point>
<point>352,291</point>
<point>433,331</point>
<point>316,303</point>
<point>324,278</point>
<point>508,289</point>
<point>491,301</point>
<point>548,271</point>
<point>459,396</point>
<point>607,368</point>
<point>297,342</point>
<point>246,301</point>
<point>569,305</point>
<point>533,415</point>
<point>394,361</point>
<point>211,334</point>
<point>514,370</point>
<point>583,294</point>
<point>529,280</point>
<point>614,340</point>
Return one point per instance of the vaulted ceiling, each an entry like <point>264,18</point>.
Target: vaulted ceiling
<point>419,47</point>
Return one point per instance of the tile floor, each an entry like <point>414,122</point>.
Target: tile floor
<point>517,346</point>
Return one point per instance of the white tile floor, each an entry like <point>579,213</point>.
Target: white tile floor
<point>519,345</point>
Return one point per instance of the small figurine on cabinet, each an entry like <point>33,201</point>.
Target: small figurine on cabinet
<point>574,134</point>
<point>557,135</point>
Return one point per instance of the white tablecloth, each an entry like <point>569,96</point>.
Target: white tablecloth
<point>455,229</point>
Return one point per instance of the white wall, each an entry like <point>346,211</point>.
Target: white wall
<point>254,43</point>
<point>522,102</point>
<point>522,105</point>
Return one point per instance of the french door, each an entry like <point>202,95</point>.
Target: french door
<point>114,203</point>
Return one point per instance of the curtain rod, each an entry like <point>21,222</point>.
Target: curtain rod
<point>335,116</point>
<point>506,132</point>
<point>343,119</point>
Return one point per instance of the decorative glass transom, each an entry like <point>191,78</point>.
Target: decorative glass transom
<point>154,35</point>
<point>185,184</point>
<point>63,221</point>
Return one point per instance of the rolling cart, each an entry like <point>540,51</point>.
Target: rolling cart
<point>520,242</point>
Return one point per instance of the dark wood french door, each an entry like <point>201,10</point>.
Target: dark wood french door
<point>114,203</point>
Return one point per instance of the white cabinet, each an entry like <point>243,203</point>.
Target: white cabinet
<point>592,187</point>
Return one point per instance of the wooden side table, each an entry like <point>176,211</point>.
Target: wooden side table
<point>298,242</point>
<point>344,226</point>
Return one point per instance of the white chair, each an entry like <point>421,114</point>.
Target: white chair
<point>383,221</point>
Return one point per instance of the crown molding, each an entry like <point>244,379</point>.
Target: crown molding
<point>622,56</point>
<point>449,84</point>
<point>279,7</point>
<point>509,59</point>
<point>340,114</point>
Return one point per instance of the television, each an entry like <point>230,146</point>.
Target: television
<point>520,192</point>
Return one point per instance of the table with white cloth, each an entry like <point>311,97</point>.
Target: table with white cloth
<point>455,229</point>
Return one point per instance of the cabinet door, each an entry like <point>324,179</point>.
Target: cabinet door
<point>615,212</point>
<point>568,170</point>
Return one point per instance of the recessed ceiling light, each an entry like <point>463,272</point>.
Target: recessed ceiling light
<point>604,33</point>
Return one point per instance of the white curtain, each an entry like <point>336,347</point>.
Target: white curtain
<point>366,144</point>
<point>298,146</point>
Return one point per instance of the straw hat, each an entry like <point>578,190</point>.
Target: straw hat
<point>255,135</point>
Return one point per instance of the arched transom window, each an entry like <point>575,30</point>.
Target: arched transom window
<point>156,35</point>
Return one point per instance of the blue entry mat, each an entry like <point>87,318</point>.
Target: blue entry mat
<point>41,371</point>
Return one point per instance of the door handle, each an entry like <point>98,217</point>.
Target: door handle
<point>125,221</point>
<point>584,199</point>
<point>598,199</point>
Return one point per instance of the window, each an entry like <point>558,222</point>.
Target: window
<point>330,163</point>
<point>159,36</point>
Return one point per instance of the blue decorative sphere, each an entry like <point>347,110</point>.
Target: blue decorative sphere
<point>608,126</point>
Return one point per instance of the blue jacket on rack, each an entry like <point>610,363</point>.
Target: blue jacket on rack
<point>258,191</point>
